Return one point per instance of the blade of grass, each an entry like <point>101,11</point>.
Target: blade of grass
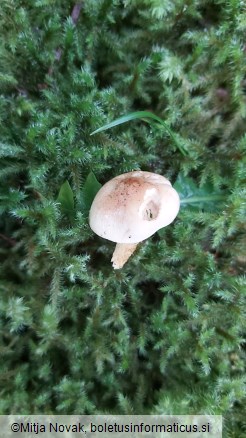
<point>146,116</point>
<point>66,199</point>
<point>206,198</point>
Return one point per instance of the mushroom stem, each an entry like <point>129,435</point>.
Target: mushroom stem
<point>122,253</point>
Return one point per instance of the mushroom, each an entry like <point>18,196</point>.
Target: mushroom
<point>130,208</point>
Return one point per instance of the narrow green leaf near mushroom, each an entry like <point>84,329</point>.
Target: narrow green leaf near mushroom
<point>148,117</point>
<point>66,200</point>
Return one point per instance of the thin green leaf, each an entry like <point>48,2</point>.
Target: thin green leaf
<point>147,117</point>
<point>195,197</point>
<point>66,199</point>
<point>90,190</point>
<point>127,118</point>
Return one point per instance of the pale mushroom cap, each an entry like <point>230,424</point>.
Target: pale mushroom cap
<point>131,207</point>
